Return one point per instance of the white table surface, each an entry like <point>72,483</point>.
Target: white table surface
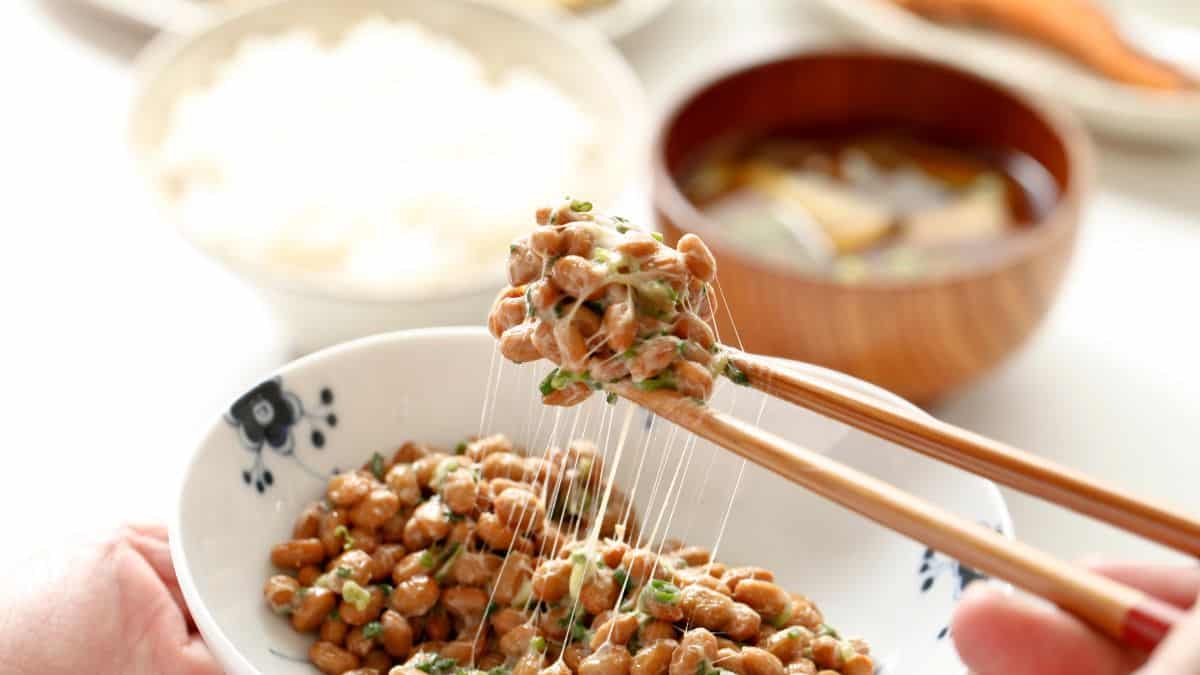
<point>121,343</point>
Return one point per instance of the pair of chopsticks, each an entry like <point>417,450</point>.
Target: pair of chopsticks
<point>1125,614</point>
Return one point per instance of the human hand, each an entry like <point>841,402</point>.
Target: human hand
<point>1002,634</point>
<point>112,607</point>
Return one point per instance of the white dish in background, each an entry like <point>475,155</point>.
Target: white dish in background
<point>577,60</point>
<point>429,385</point>
<point>617,19</point>
<point>1110,107</point>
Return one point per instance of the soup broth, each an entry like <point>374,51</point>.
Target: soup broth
<point>868,204</point>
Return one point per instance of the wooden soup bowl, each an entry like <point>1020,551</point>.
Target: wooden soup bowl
<point>920,337</point>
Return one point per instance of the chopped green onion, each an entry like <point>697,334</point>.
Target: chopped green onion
<point>794,633</point>
<point>825,629</point>
<point>681,347</point>
<point>735,374</point>
<point>512,248</point>
<point>661,381</point>
<point>584,466</point>
<point>372,630</point>
<point>577,630</point>
<point>334,616</point>
<point>680,564</point>
<point>427,559</point>
<point>663,591</point>
<point>538,643</point>
<point>529,301</point>
<point>657,236</point>
<point>622,229</point>
<point>620,576</point>
<point>461,448</point>
<point>580,206</point>
<point>560,379</point>
<point>302,593</point>
<point>347,540</point>
<point>377,465</point>
<point>455,551</point>
<point>444,469</point>
<point>492,607</point>
<point>582,570</point>
<point>499,670</point>
<point>344,572</point>
<point>437,665</point>
<point>387,589</point>
<point>611,398</point>
<point>847,651</point>
<point>524,594</point>
<point>546,387</point>
<point>356,595</point>
<point>780,620</point>
<point>629,353</point>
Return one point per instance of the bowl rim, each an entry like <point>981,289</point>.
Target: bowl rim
<point>156,60</point>
<point>215,635</point>
<point>1062,221</point>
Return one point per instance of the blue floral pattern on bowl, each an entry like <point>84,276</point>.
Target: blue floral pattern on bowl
<point>934,565</point>
<point>267,416</point>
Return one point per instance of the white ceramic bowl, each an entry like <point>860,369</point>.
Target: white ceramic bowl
<point>578,60</point>
<point>1110,107</point>
<point>240,494</point>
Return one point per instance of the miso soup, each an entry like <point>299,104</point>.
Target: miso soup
<point>868,204</point>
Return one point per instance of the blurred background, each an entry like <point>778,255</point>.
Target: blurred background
<point>989,207</point>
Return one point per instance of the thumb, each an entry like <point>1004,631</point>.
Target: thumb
<point>194,658</point>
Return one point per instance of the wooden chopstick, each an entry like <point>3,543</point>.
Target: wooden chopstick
<point>1127,615</point>
<point>977,454</point>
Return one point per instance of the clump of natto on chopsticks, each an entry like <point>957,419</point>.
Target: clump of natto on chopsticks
<point>608,301</point>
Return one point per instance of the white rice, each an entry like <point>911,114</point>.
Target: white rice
<point>388,161</point>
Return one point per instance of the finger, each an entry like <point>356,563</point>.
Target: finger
<point>996,634</point>
<point>154,530</point>
<point>1176,584</point>
<point>1179,654</point>
<point>196,659</point>
<point>158,555</point>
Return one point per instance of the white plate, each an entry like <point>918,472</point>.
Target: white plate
<point>615,20</point>
<point>429,385</point>
<point>1110,107</point>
